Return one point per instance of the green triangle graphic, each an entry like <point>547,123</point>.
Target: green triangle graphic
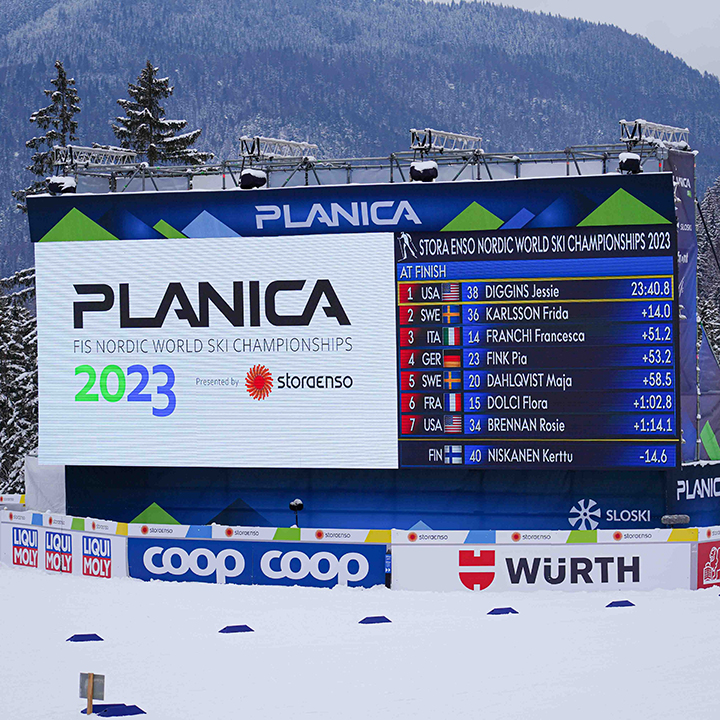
<point>710,442</point>
<point>155,515</point>
<point>582,536</point>
<point>621,208</point>
<point>76,226</point>
<point>287,534</point>
<point>474,217</point>
<point>167,230</point>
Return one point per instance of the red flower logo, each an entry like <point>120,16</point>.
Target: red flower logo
<point>258,382</point>
<point>515,537</point>
<point>319,534</point>
<point>144,529</point>
<point>617,535</point>
<point>412,537</point>
<point>228,532</point>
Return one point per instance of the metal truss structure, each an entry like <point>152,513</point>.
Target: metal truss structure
<point>288,163</point>
<point>264,148</point>
<point>438,141</point>
<point>633,132</point>
<point>75,155</point>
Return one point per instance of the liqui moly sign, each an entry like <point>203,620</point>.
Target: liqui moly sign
<point>25,547</point>
<point>58,552</point>
<point>96,556</point>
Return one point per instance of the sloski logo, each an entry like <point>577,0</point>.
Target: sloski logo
<point>582,515</point>
<point>477,568</point>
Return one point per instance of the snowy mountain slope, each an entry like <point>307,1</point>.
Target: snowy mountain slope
<point>564,656</point>
<point>351,75</point>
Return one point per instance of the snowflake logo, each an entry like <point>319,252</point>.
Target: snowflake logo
<point>582,515</point>
<point>258,382</point>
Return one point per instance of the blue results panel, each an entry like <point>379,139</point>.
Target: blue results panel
<point>549,349</point>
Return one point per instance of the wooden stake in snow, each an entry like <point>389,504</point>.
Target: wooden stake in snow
<point>92,687</point>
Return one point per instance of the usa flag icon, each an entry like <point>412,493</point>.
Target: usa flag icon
<point>451,291</point>
<point>453,423</point>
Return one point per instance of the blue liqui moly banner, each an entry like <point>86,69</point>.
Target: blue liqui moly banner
<point>249,563</point>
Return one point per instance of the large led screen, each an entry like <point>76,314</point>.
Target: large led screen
<point>266,354</point>
<point>510,324</point>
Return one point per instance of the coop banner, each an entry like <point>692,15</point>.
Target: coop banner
<point>274,353</point>
<point>526,568</point>
<point>251,563</point>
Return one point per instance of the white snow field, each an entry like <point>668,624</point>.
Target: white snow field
<point>565,655</point>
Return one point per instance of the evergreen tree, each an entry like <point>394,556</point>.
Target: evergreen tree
<point>708,233</point>
<point>18,379</point>
<point>145,129</point>
<point>58,122</point>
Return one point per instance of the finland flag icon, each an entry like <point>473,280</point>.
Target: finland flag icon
<point>453,454</point>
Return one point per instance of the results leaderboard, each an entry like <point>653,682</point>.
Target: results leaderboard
<point>538,362</point>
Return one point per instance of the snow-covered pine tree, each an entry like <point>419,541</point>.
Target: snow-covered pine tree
<point>58,122</point>
<point>709,265</point>
<point>145,129</point>
<point>18,379</point>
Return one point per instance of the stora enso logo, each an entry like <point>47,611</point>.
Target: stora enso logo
<point>259,382</point>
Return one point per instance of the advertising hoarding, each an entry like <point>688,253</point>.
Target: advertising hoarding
<point>62,551</point>
<point>708,560</point>
<point>253,563</point>
<point>537,567</point>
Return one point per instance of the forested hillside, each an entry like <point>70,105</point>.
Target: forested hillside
<point>350,75</point>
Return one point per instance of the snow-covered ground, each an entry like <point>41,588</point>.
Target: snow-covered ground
<point>565,655</point>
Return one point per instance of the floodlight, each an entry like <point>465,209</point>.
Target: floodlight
<point>630,163</point>
<point>61,184</point>
<point>296,506</point>
<point>423,170</point>
<point>251,179</point>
